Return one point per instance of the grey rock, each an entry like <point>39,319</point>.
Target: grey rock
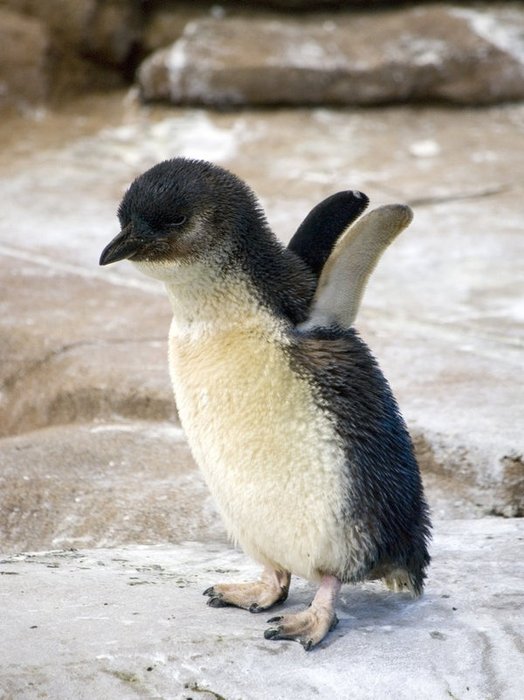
<point>60,371</point>
<point>24,60</point>
<point>306,5</point>
<point>425,53</point>
<point>78,46</point>
<point>132,622</point>
<point>165,23</point>
<point>106,31</point>
<point>113,31</point>
<point>68,19</point>
<point>102,484</point>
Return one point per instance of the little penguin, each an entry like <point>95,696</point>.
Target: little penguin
<point>286,411</point>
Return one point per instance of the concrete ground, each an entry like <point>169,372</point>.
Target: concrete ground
<point>132,623</point>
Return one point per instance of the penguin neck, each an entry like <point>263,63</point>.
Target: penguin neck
<point>255,280</point>
<point>205,300</point>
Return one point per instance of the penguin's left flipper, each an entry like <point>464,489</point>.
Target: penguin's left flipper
<point>326,222</point>
<point>353,259</point>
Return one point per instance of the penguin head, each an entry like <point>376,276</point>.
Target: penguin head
<point>181,211</point>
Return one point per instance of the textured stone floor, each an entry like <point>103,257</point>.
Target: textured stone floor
<point>132,623</point>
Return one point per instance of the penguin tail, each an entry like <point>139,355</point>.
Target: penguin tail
<point>404,581</point>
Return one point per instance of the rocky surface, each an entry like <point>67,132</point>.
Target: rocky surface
<point>54,48</point>
<point>414,54</point>
<point>24,73</point>
<point>132,623</point>
<point>281,52</point>
<point>164,22</point>
<point>100,484</point>
<point>106,32</point>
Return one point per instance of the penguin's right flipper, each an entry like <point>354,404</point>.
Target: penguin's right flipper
<point>317,234</point>
<point>353,259</point>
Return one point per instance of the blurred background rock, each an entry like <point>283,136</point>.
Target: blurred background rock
<point>237,53</point>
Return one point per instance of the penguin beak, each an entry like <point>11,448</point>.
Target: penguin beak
<point>121,247</point>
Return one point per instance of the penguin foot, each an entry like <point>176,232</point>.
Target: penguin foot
<point>257,596</point>
<point>309,627</point>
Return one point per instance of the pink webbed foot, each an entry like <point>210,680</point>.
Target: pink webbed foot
<point>272,588</point>
<point>309,627</point>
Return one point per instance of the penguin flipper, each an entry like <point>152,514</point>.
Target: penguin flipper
<point>353,259</point>
<point>317,234</point>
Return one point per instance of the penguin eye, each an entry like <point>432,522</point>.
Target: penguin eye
<point>175,223</point>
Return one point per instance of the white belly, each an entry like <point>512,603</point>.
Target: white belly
<point>270,456</point>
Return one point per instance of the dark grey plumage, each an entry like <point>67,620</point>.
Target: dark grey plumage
<point>383,484</point>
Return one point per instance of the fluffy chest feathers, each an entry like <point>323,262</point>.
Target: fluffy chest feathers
<point>270,455</point>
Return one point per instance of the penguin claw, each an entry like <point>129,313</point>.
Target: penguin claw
<point>308,627</point>
<point>277,633</point>
<point>271,633</point>
<point>209,591</point>
<point>277,618</point>
<point>217,602</point>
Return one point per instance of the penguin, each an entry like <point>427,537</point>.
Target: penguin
<point>286,411</point>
